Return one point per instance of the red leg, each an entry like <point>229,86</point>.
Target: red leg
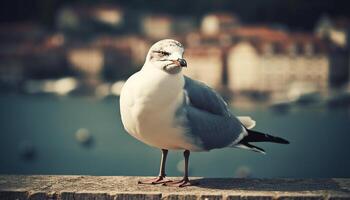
<point>185,181</point>
<point>154,181</point>
<point>181,183</point>
<point>161,178</point>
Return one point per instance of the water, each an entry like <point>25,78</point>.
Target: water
<point>38,136</point>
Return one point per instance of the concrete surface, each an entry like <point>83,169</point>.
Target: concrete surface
<point>123,187</point>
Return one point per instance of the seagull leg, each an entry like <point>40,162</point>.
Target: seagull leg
<point>184,181</point>
<point>161,177</point>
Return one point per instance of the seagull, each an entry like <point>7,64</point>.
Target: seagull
<point>165,109</point>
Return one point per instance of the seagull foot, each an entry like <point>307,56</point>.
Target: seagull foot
<point>182,183</point>
<point>154,181</point>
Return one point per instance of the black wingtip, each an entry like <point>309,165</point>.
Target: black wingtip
<point>254,148</point>
<point>255,136</point>
<point>281,140</point>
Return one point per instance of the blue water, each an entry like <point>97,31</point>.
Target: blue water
<point>320,142</point>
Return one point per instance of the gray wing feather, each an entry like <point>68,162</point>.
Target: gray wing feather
<point>208,118</point>
<point>204,98</point>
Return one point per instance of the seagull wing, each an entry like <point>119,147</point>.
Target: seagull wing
<point>208,117</point>
<point>204,98</point>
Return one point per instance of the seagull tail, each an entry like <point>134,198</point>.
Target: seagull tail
<point>250,147</point>
<point>254,136</point>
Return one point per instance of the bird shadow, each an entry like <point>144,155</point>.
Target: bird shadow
<point>268,184</point>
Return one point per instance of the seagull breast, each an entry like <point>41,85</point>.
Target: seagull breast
<point>148,103</point>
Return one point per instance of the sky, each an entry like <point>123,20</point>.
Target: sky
<point>296,14</point>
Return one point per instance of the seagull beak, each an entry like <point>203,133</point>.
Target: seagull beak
<point>182,62</point>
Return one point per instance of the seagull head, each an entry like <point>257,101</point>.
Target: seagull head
<point>166,55</point>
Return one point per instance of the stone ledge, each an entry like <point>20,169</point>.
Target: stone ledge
<point>126,187</point>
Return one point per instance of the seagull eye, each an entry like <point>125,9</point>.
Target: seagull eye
<point>163,53</point>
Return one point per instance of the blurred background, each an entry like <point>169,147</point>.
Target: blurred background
<point>284,63</point>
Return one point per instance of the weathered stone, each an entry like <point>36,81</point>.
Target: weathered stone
<point>300,197</point>
<point>257,197</point>
<point>339,198</point>
<point>233,197</point>
<point>124,187</point>
<point>180,197</point>
<point>38,195</point>
<point>11,195</point>
<point>211,197</point>
<point>138,196</point>
<point>86,195</point>
<point>67,196</point>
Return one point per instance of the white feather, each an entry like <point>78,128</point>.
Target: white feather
<point>148,102</point>
<point>240,137</point>
<point>241,146</point>
<point>247,121</point>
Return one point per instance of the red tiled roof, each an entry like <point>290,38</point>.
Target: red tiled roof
<point>260,36</point>
<point>200,51</point>
<point>225,17</point>
<point>260,32</point>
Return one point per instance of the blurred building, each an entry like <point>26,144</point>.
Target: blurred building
<point>336,32</point>
<point>272,62</point>
<point>85,19</point>
<point>258,59</point>
<point>156,26</point>
<point>88,61</point>
<point>164,26</point>
<point>136,46</point>
<point>214,23</point>
<point>27,51</point>
<point>123,55</point>
<point>205,64</point>
<point>104,42</point>
<point>107,57</point>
